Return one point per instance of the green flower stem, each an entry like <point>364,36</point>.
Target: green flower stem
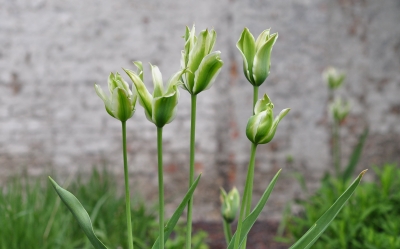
<point>191,170</point>
<point>336,147</point>
<point>227,231</point>
<point>160,187</point>
<point>247,195</point>
<point>255,96</point>
<point>127,195</point>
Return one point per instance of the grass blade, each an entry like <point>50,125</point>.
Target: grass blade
<point>169,227</point>
<point>355,156</point>
<point>251,219</point>
<point>80,214</point>
<point>323,222</point>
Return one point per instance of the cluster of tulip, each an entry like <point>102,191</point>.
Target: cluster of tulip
<point>199,68</point>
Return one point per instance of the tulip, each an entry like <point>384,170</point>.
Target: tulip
<point>339,110</point>
<point>256,55</point>
<point>121,102</point>
<point>159,107</point>
<point>333,78</point>
<point>202,65</point>
<point>262,126</point>
<point>230,204</point>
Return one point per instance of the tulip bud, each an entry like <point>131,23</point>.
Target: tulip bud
<point>333,78</point>
<point>339,110</point>
<point>159,107</point>
<point>261,127</point>
<point>122,101</point>
<point>256,55</point>
<point>230,204</point>
<point>202,65</point>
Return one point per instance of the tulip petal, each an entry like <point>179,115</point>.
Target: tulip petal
<point>145,98</point>
<point>196,54</point>
<point>247,48</point>
<point>121,104</point>
<point>139,71</point>
<point>175,80</point>
<point>252,126</point>
<point>122,83</point>
<point>157,81</point>
<point>263,104</point>
<point>164,109</point>
<point>105,99</point>
<point>272,131</point>
<point>112,84</point>
<point>265,125</point>
<point>262,60</point>
<point>190,40</point>
<point>262,38</point>
<point>211,38</point>
<point>208,70</point>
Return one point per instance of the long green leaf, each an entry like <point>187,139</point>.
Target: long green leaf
<point>169,227</point>
<point>355,156</point>
<point>80,214</point>
<point>309,238</point>
<point>249,221</point>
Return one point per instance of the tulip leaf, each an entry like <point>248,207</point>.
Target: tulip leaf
<point>355,156</point>
<point>251,219</point>
<point>80,214</point>
<point>309,238</point>
<point>169,227</point>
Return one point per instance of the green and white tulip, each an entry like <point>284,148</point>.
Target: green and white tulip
<point>339,110</point>
<point>121,102</point>
<point>160,107</point>
<point>256,55</point>
<point>262,126</point>
<point>230,204</point>
<point>202,65</point>
<point>333,78</point>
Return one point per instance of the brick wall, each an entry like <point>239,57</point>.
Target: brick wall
<point>52,52</point>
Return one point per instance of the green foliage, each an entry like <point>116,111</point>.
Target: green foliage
<point>32,216</point>
<point>370,220</point>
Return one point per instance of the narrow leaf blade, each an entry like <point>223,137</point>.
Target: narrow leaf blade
<point>251,219</point>
<point>79,213</point>
<point>169,227</point>
<point>309,238</point>
<point>355,156</point>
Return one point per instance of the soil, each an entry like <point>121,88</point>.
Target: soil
<point>261,235</point>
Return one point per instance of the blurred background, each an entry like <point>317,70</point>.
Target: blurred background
<point>52,122</point>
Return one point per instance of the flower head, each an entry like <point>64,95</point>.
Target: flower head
<point>256,55</point>
<point>339,110</point>
<point>121,102</point>
<point>230,204</point>
<point>333,78</point>
<point>262,126</point>
<point>159,107</point>
<point>202,65</point>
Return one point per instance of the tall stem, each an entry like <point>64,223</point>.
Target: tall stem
<point>247,195</point>
<point>336,147</point>
<point>227,231</point>
<point>255,96</point>
<point>191,170</point>
<point>127,195</point>
<point>160,188</point>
